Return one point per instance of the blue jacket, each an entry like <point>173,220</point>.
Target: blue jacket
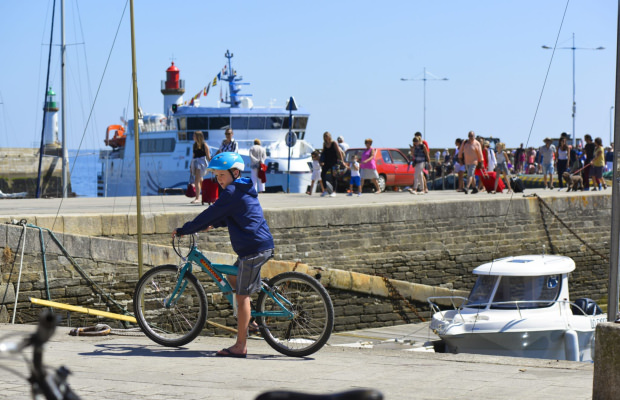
<point>237,208</point>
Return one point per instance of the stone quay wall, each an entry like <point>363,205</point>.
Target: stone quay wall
<point>435,243</point>
<point>425,248</point>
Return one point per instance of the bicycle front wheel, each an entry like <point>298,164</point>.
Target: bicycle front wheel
<point>313,314</point>
<point>169,323</point>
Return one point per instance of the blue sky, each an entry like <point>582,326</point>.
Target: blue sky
<point>341,60</point>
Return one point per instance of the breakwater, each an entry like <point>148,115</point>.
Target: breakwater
<point>419,245</point>
<point>19,171</point>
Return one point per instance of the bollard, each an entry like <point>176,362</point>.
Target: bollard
<point>606,362</point>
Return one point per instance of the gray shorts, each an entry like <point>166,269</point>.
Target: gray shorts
<point>368,173</point>
<point>502,168</point>
<point>471,168</point>
<point>248,275</point>
<point>198,166</point>
<point>548,169</point>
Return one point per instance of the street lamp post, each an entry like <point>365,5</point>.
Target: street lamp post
<point>573,48</point>
<point>424,78</point>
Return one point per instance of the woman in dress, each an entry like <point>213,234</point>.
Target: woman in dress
<point>200,160</point>
<point>368,166</point>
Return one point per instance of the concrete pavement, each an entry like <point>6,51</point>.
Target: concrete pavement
<point>180,204</point>
<point>122,367</point>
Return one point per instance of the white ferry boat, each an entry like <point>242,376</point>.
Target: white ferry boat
<point>520,307</point>
<point>166,140</point>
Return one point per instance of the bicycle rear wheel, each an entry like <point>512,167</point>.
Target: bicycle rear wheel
<point>174,325</point>
<point>313,315</point>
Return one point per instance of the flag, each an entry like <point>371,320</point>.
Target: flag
<point>214,81</point>
<point>219,76</point>
<point>191,103</point>
<point>224,69</point>
<point>205,91</point>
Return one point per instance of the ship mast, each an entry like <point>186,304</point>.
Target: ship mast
<point>234,83</point>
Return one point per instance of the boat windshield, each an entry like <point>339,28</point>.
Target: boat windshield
<point>480,295</point>
<point>526,291</point>
<point>515,292</point>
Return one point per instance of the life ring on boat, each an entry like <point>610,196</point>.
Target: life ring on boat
<point>118,140</point>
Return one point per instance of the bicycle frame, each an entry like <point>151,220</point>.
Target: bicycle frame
<point>216,272</point>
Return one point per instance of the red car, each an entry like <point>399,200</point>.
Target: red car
<point>392,165</point>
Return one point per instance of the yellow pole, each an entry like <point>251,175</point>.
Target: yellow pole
<point>84,310</point>
<point>134,75</point>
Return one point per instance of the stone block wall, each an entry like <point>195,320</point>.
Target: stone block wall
<point>101,273</point>
<point>438,244</point>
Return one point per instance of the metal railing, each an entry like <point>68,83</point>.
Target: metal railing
<point>518,305</point>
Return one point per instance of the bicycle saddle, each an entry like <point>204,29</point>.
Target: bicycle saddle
<point>356,394</point>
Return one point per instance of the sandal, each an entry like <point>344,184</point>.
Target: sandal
<point>228,353</point>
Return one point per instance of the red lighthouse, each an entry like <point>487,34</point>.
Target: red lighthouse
<point>172,88</point>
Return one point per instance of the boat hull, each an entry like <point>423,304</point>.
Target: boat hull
<point>168,175</point>
<point>535,334</point>
<point>546,344</point>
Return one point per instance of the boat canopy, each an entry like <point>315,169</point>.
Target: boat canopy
<point>530,265</point>
<point>221,111</point>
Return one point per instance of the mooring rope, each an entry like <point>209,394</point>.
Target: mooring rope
<point>394,294</point>
<point>541,203</point>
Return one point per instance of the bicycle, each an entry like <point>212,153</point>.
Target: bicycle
<point>293,311</point>
<point>51,386</point>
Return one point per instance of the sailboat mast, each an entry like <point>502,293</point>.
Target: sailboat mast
<point>63,48</point>
<point>134,76</point>
<point>614,259</point>
<point>47,82</point>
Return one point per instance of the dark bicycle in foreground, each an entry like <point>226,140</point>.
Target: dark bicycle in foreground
<point>293,311</point>
<point>52,386</point>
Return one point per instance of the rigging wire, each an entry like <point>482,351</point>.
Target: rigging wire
<point>93,105</point>
<point>5,118</point>
<point>505,217</point>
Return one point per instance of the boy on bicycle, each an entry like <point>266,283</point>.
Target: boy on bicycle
<point>237,208</point>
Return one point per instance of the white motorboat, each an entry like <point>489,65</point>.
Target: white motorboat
<point>520,307</point>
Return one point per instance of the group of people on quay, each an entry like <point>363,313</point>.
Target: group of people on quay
<point>589,160</point>
<point>476,163</point>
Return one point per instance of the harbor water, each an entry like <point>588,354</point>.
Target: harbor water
<point>83,167</point>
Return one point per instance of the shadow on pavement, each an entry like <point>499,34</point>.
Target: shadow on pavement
<point>133,350</point>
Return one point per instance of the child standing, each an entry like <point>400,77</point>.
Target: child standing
<point>598,164</point>
<point>238,209</point>
<point>355,177</point>
<point>316,172</point>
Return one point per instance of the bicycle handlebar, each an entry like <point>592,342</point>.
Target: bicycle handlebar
<point>45,329</point>
<point>52,386</point>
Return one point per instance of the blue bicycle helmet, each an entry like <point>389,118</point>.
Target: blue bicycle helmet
<point>226,161</point>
